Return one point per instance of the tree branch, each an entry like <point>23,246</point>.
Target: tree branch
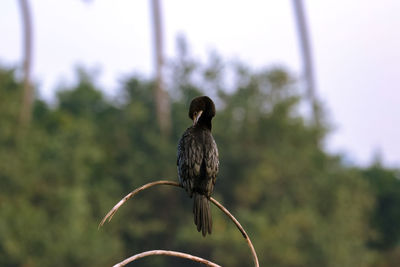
<point>167,253</point>
<point>111,213</point>
<point>241,229</point>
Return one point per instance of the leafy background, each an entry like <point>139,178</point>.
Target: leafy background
<point>300,205</point>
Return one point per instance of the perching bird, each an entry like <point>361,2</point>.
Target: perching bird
<point>198,161</point>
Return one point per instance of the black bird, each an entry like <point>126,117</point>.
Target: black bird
<point>198,161</point>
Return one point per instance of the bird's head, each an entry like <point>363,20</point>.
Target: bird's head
<point>202,110</point>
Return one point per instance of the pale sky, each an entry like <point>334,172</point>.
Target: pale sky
<point>355,48</point>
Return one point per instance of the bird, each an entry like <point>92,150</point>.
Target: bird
<point>198,161</point>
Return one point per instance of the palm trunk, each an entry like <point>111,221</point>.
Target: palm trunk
<point>308,68</point>
<point>27,100</point>
<point>160,95</point>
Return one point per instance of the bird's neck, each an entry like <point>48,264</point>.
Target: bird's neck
<point>204,125</point>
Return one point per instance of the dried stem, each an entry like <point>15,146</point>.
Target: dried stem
<point>167,253</point>
<point>241,229</point>
<point>111,213</point>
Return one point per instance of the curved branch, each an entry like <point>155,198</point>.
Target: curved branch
<point>241,229</point>
<point>167,253</point>
<point>111,213</point>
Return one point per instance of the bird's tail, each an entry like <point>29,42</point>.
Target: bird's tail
<point>202,213</point>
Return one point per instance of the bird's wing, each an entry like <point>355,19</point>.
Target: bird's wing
<point>190,157</point>
<point>212,161</point>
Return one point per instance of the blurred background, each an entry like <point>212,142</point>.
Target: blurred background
<point>94,97</point>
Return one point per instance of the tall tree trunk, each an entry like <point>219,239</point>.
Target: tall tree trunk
<point>160,95</point>
<point>27,100</point>
<point>308,68</point>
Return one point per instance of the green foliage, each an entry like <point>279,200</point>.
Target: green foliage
<point>300,205</point>
<point>386,217</point>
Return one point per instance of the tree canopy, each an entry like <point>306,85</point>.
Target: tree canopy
<point>300,205</point>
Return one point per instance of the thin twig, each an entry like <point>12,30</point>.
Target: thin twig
<point>241,229</point>
<point>167,253</point>
<point>111,213</point>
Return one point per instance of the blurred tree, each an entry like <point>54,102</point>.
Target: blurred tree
<point>45,206</point>
<point>300,205</point>
<point>385,184</point>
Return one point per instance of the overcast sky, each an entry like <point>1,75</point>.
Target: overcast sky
<point>356,50</point>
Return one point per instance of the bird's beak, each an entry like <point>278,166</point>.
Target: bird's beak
<point>197,117</point>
